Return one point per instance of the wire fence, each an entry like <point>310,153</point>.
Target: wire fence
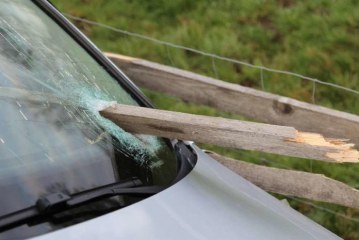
<point>235,61</point>
<point>213,56</point>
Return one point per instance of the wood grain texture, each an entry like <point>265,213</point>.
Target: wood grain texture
<point>259,105</point>
<point>230,133</point>
<point>293,183</point>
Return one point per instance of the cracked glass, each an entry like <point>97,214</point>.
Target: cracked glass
<point>51,136</point>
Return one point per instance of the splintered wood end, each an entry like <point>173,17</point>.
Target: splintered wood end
<point>339,150</point>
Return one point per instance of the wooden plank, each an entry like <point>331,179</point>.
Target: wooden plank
<point>261,106</point>
<point>230,133</point>
<point>293,183</point>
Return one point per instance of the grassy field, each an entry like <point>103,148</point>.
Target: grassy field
<point>319,39</point>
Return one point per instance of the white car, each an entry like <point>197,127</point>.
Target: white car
<point>67,173</point>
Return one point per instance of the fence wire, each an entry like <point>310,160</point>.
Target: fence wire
<point>211,55</point>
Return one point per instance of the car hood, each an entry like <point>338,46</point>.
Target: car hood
<point>211,202</point>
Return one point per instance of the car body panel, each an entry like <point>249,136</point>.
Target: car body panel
<point>211,202</point>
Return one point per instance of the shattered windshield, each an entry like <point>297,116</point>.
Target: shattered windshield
<point>51,136</point>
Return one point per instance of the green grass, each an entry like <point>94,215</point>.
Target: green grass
<point>314,38</point>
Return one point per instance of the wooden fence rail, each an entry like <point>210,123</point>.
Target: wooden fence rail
<point>230,133</point>
<point>311,186</point>
<point>259,105</point>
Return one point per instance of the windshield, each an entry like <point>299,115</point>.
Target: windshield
<point>51,136</point>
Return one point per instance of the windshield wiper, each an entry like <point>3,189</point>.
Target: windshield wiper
<point>58,202</point>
